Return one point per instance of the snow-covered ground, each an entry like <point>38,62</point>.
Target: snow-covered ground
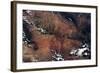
<point>83,51</point>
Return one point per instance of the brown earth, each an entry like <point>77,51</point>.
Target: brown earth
<point>59,30</point>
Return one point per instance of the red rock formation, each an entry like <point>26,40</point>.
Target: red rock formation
<point>57,39</point>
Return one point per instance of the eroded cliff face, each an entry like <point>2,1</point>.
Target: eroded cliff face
<point>49,36</point>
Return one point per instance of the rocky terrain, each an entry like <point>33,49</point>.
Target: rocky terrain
<point>56,36</point>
